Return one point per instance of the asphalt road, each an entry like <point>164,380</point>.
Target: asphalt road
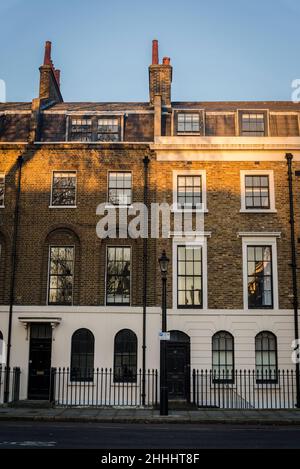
<point>16,435</point>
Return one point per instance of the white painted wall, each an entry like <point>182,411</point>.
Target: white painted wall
<point>199,325</point>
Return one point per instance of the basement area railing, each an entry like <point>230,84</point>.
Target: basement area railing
<point>244,389</point>
<point>101,387</point>
<point>10,382</point>
<point>238,389</point>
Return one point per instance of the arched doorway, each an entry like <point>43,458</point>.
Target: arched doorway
<point>178,366</point>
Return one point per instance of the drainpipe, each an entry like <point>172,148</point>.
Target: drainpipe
<point>289,158</point>
<point>145,279</point>
<point>13,277</point>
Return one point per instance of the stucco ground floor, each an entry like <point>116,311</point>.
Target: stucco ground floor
<point>198,328</point>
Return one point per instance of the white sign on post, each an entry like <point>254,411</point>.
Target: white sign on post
<point>164,336</point>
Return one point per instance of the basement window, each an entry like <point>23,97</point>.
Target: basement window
<point>108,130</point>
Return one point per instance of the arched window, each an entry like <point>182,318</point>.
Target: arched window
<point>82,355</point>
<point>125,360</point>
<point>223,357</point>
<point>266,357</point>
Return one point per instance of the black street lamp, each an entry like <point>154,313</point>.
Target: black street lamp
<point>163,264</point>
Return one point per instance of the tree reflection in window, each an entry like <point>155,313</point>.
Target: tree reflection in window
<point>61,275</point>
<point>260,284</point>
<point>189,276</point>
<point>118,275</point>
<point>64,188</point>
<point>125,360</point>
<point>82,355</point>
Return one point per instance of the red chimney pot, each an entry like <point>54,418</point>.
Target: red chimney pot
<point>47,56</point>
<point>166,60</point>
<point>57,76</point>
<point>155,52</point>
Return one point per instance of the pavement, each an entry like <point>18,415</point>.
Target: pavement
<point>150,416</point>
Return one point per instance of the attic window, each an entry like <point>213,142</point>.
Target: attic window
<point>253,124</point>
<point>108,130</point>
<point>188,123</point>
<point>81,130</point>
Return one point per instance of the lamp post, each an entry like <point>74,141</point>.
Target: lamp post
<point>289,159</point>
<point>163,264</point>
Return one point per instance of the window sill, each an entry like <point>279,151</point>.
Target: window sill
<point>189,134</point>
<point>187,310</point>
<point>267,210</point>
<point>2,206</point>
<point>108,206</point>
<point>117,305</point>
<point>62,206</point>
<point>189,210</point>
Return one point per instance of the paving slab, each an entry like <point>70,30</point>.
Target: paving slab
<point>142,415</point>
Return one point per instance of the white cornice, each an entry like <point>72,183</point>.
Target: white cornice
<point>257,234</point>
<point>225,143</point>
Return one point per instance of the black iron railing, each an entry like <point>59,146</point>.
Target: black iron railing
<point>244,389</point>
<point>100,387</point>
<point>9,377</point>
<point>240,389</point>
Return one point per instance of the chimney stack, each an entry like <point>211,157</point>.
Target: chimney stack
<point>47,56</point>
<point>49,79</point>
<point>155,60</point>
<point>160,77</point>
<point>57,76</point>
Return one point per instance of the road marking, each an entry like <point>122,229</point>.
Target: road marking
<point>28,443</point>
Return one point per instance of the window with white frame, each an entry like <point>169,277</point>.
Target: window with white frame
<point>120,188</point>
<point>108,129</point>
<point>61,275</point>
<point>260,272</point>
<point>253,124</point>
<point>189,272</point>
<point>260,282</point>
<point>2,189</point>
<point>118,269</point>
<point>81,130</point>
<point>64,189</point>
<point>189,190</point>
<point>223,357</point>
<point>188,123</point>
<point>266,357</point>
<point>257,191</point>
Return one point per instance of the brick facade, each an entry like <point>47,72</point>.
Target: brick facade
<point>41,225</point>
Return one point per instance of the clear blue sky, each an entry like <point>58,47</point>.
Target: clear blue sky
<point>220,49</point>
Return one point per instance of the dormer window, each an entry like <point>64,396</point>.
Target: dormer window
<point>253,124</point>
<point>108,130</point>
<point>188,123</point>
<point>81,130</point>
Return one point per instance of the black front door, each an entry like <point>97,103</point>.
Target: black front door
<point>178,368</point>
<point>39,361</point>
